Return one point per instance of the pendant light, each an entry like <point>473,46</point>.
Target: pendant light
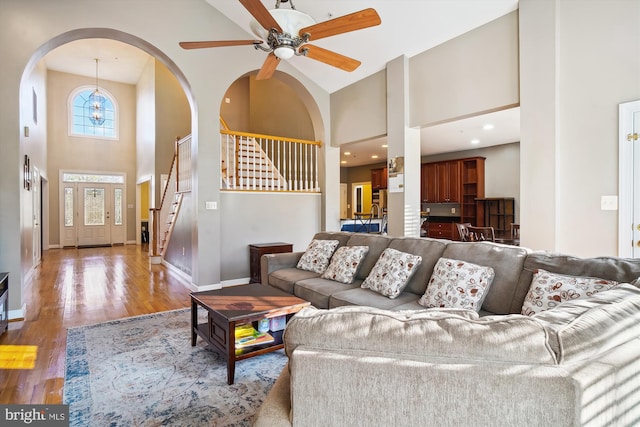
<point>97,104</point>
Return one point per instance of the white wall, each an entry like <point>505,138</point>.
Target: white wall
<point>77,153</point>
<point>264,218</point>
<point>28,30</point>
<point>579,60</point>
<point>146,127</point>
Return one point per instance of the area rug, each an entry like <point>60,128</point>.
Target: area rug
<point>143,371</point>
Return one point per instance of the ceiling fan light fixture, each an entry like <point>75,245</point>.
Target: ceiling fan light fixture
<point>284,52</point>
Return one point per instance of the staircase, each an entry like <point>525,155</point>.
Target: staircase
<point>251,167</point>
<point>167,227</point>
<point>164,218</point>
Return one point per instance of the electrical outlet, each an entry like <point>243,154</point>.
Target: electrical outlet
<point>453,210</point>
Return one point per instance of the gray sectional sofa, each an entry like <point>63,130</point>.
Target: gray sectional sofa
<point>360,358</point>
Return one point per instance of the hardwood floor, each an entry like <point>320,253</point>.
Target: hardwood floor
<point>75,287</point>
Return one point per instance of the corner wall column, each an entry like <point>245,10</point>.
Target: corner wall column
<point>404,143</point>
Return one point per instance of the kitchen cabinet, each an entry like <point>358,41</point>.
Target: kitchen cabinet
<point>379,179</point>
<point>472,187</point>
<point>441,230</point>
<point>440,182</point>
<point>428,183</point>
<point>448,182</point>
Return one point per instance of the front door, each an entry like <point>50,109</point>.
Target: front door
<point>94,225</point>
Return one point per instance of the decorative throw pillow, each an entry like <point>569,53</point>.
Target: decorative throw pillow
<point>316,257</point>
<point>392,272</point>
<point>345,263</point>
<point>548,289</point>
<point>457,284</point>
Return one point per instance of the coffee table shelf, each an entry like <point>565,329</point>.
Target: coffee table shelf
<point>228,307</point>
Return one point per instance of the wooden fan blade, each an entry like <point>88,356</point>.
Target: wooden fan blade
<point>261,14</point>
<point>343,24</point>
<point>221,43</point>
<point>331,58</point>
<point>269,67</point>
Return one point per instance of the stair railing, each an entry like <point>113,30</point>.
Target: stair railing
<point>179,182</point>
<point>257,162</point>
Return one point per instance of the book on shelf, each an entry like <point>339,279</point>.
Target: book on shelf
<point>247,335</point>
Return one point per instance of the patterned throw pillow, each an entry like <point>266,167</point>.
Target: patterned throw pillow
<point>457,284</point>
<point>550,289</point>
<point>316,257</point>
<point>345,263</point>
<point>392,272</point>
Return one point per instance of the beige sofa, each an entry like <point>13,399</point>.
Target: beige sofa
<point>359,358</point>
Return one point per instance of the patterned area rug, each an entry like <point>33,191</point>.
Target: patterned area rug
<point>143,371</point>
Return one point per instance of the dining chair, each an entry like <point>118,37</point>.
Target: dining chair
<point>478,234</point>
<point>463,231</point>
<point>515,230</point>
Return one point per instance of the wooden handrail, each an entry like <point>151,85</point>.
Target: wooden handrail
<point>279,138</point>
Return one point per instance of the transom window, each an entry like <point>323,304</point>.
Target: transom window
<point>80,115</point>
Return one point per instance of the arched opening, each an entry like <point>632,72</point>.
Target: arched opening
<point>40,139</point>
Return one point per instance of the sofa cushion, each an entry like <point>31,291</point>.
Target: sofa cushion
<point>345,263</point>
<point>391,272</point>
<point>507,263</point>
<point>367,297</point>
<point>317,256</point>
<point>550,289</point>
<point>610,268</point>
<point>418,335</point>
<point>375,243</point>
<point>318,290</point>
<point>430,250</point>
<point>285,278</point>
<point>457,284</point>
<point>580,329</point>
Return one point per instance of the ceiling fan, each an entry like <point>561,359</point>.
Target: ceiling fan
<point>287,32</point>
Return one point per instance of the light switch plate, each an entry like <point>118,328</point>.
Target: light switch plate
<point>210,206</point>
<point>609,203</point>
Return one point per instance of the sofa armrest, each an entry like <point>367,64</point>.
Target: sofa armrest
<point>272,262</point>
<point>276,408</point>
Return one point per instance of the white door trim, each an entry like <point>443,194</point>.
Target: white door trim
<point>628,233</point>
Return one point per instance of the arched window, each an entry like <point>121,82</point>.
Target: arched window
<point>80,115</point>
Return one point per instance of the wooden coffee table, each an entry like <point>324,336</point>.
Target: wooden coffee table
<point>237,305</point>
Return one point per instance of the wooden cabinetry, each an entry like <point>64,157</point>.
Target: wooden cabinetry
<point>441,230</point>
<point>440,182</point>
<point>255,253</point>
<point>472,188</point>
<point>454,181</point>
<point>379,179</point>
<point>496,212</point>
<point>428,183</point>
<point>448,182</point>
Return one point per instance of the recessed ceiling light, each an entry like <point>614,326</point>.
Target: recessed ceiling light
<point>347,153</point>
<point>385,146</point>
<point>375,156</point>
<point>488,126</point>
<point>343,162</point>
<point>475,141</point>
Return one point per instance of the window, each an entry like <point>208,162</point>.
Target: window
<point>80,111</point>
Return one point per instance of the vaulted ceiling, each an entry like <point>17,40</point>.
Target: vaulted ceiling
<point>408,27</point>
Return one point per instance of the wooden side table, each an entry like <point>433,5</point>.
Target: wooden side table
<point>257,250</point>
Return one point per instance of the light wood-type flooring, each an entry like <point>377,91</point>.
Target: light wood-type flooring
<point>75,287</point>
